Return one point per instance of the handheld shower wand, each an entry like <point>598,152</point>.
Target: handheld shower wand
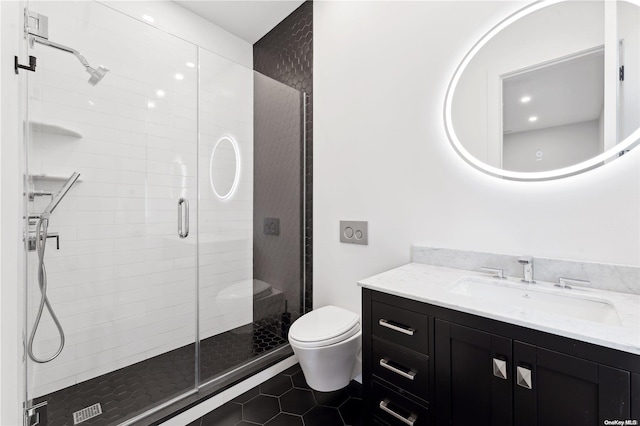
<point>41,244</point>
<point>60,195</point>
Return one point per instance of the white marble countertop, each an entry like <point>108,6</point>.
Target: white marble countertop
<point>432,284</point>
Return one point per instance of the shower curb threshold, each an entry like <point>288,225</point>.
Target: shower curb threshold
<point>211,396</point>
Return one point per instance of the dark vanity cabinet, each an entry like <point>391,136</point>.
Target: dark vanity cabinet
<point>427,365</point>
<point>479,374</point>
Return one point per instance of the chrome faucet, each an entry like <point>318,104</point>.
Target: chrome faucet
<point>496,273</point>
<point>527,269</point>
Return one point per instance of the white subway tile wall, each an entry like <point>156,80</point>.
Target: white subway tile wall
<point>123,283</point>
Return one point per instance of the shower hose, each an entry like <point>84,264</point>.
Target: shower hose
<point>41,245</point>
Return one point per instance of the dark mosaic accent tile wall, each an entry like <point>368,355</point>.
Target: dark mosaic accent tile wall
<point>286,55</point>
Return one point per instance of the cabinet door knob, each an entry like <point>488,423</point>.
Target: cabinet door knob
<point>385,323</point>
<point>500,368</point>
<point>523,377</point>
<point>384,406</point>
<point>409,374</point>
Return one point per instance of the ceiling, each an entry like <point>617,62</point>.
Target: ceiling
<point>565,92</point>
<point>250,20</point>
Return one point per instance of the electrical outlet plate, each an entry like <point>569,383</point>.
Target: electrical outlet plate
<point>354,232</point>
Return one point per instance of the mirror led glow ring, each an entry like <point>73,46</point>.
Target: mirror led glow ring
<point>631,141</point>
<point>236,178</point>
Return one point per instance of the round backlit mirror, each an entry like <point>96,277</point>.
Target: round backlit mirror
<point>544,94</point>
<point>224,167</point>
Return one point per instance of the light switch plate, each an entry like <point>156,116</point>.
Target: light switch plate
<point>354,232</point>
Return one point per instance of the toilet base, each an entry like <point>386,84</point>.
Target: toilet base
<point>329,368</point>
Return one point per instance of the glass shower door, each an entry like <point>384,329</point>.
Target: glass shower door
<point>251,218</point>
<point>120,248</point>
<point>226,207</point>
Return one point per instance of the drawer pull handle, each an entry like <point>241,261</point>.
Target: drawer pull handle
<point>408,331</point>
<point>384,363</point>
<point>384,406</point>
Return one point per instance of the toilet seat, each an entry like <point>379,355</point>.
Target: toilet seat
<point>323,327</point>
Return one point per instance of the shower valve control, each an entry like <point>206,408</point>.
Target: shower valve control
<point>32,241</point>
<point>354,232</point>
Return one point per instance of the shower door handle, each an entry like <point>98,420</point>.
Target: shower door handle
<point>183,218</point>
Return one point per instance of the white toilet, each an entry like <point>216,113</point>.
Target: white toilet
<point>327,341</point>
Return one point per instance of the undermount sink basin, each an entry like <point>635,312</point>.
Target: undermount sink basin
<point>539,297</point>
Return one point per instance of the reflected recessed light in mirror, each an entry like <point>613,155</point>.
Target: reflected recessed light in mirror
<point>533,119</point>
<point>148,18</point>
<point>160,93</point>
<point>525,99</point>
<point>191,64</point>
<point>179,76</point>
<point>151,105</point>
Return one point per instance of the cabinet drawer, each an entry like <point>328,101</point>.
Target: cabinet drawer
<point>401,368</point>
<point>395,409</point>
<point>397,325</point>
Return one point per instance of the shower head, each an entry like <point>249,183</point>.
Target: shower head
<point>96,74</point>
<point>60,195</point>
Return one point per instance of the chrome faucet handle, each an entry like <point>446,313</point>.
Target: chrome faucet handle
<point>525,260</point>
<point>31,243</point>
<point>564,282</point>
<point>34,194</point>
<point>497,273</point>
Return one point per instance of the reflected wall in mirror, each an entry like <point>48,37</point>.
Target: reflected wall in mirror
<point>553,113</point>
<point>224,167</point>
<point>541,95</point>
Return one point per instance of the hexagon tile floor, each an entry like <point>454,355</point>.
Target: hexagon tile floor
<point>131,390</point>
<point>287,400</point>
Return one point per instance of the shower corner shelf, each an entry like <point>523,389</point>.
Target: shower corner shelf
<point>42,177</point>
<point>55,128</point>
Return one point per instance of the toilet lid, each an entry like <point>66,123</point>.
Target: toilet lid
<point>325,324</point>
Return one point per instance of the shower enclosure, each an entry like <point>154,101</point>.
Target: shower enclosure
<point>167,279</point>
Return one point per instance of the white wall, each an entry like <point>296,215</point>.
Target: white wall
<point>381,154</point>
<point>561,146</point>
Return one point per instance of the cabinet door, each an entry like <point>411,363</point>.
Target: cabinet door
<point>473,383</point>
<point>551,388</point>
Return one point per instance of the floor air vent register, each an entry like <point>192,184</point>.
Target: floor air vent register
<point>87,413</point>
